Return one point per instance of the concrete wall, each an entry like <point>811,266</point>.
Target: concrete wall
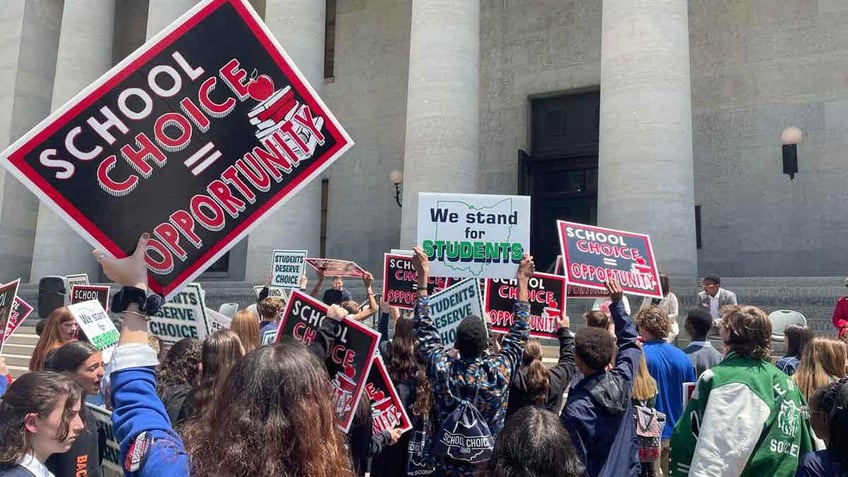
<point>529,48</point>
<point>759,66</point>
<point>368,96</point>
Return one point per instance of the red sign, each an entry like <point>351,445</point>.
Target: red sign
<point>10,311</point>
<point>594,255</point>
<point>196,137</point>
<point>575,291</point>
<point>387,411</point>
<point>81,293</point>
<point>547,300</point>
<point>400,281</point>
<point>336,268</point>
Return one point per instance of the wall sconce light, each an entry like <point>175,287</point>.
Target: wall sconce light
<point>397,179</point>
<point>790,137</point>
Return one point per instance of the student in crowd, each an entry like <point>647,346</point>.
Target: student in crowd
<point>60,328</point>
<point>176,378</point>
<point>5,378</point>
<point>354,311</point>
<point>332,296</point>
<point>822,362</point>
<point>598,413</point>
<point>645,394</point>
<point>219,353</point>
<point>700,350</point>
<point>536,385</point>
<point>713,298</point>
<point>533,443</point>
<point>39,417</point>
<point>840,315</point>
<point>273,416</point>
<point>246,326</point>
<point>746,418</point>
<point>829,419</point>
<point>83,364</point>
<point>482,381</point>
<point>668,304</point>
<point>669,366</point>
<point>796,338</point>
<point>402,365</point>
<point>269,312</point>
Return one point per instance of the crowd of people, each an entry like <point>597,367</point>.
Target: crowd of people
<point>621,400</point>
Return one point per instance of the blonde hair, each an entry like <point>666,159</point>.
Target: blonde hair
<point>822,362</point>
<point>644,387</point>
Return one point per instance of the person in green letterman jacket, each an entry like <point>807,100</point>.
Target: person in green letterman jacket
<point>745,417</point>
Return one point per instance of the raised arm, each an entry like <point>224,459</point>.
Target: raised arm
<point>566,364</point>
<point>367,280</point>
<point>317,288</point>
<point>513,343</point>
<point>627,359</point>
<point>430,345</point>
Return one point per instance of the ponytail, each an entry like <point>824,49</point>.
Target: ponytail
<point>538,376</point>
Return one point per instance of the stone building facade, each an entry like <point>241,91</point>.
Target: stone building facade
<point>657,116</point>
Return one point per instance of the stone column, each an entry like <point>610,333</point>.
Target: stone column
<point>85,53</point>
<point>441,153</point>
<point>160,13</point>
<point>646,179</point>
<point>27,66</point>
<point>299,27</point>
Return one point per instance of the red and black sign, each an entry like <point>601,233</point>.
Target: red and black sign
<point>332,267</point>
<point>400,280</point>
<point>387,411</point>
<point>575,291</point>
<point>350,357</point>
<point>8,303</point>
<point>81,293</point>
<point>194,138</point>
<point>547,300</point>
<point>593,255</point>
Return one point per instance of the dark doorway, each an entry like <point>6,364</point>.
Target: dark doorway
<point>561,175</point>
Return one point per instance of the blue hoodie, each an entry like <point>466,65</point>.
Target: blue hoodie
<point>599,414</point>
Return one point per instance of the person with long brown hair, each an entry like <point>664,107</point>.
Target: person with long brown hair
<point>246,326</point>
<point>796,337</point>
<point>177,376</point>
<point>39,417</point>
<point>536,385</point>
<point>220,352</point>
<point>274,415</point>
<point>61,328</point>
<point>822,362</point>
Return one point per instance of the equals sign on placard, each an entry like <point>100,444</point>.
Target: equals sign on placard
<point>203,158</point>
<point>610,262</point>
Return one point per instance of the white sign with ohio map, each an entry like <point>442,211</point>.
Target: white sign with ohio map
<point>473,235</point>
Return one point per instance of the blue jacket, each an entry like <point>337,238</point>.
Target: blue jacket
<point>4,383</point>
<point>599,414</point>
<point>138,412</point>
<point>671,368</point>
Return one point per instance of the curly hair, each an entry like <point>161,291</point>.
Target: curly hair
<point>179,368</point>
<point>655,321</point>
<point>273,416</point>
<point>270,307</point>
<point>748,331</point>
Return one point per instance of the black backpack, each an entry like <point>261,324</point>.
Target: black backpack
<point>465,435</point>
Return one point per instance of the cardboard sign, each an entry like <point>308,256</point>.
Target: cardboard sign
<point>336,268</point>
<point>183,316</point>
<point>95,323</point>
<point>472,235</point>
<point>77,279</point>
<point>387,410</point>
<point>400,280</point>
<point>217,321</point>
<point>111,464</point>
<point>592,255</point>
<point>195,137</point>
<point>451,305</point>
<point>8,295</point>
<point>547,300</point>
<point>20,312</point>
<point>81,293</point>
<point>351,356</point>
<point>287,266</point>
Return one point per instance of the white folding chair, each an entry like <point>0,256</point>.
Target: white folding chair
<point>228,309</point>
<point>780,319</point>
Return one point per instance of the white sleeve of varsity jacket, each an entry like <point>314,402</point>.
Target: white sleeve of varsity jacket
<point>732,424</point>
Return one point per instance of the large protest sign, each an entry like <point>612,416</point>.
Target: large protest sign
<point>8,294</point>
<point>195,137</point>
<point>547,300</point>
<point>111,452</point>
<point>95,323</point>
<point>350,357</point>
<point>593,255</point>
<point>20,312</point>
<point>451,305</point>
<point>387,411</point>
<point>400,280</point>
<point>81,293</point>
<point>471,235</point>
<point>287,266</point>
<point>332,267</point>
<point>574,291</point>
<point>183,316</point>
